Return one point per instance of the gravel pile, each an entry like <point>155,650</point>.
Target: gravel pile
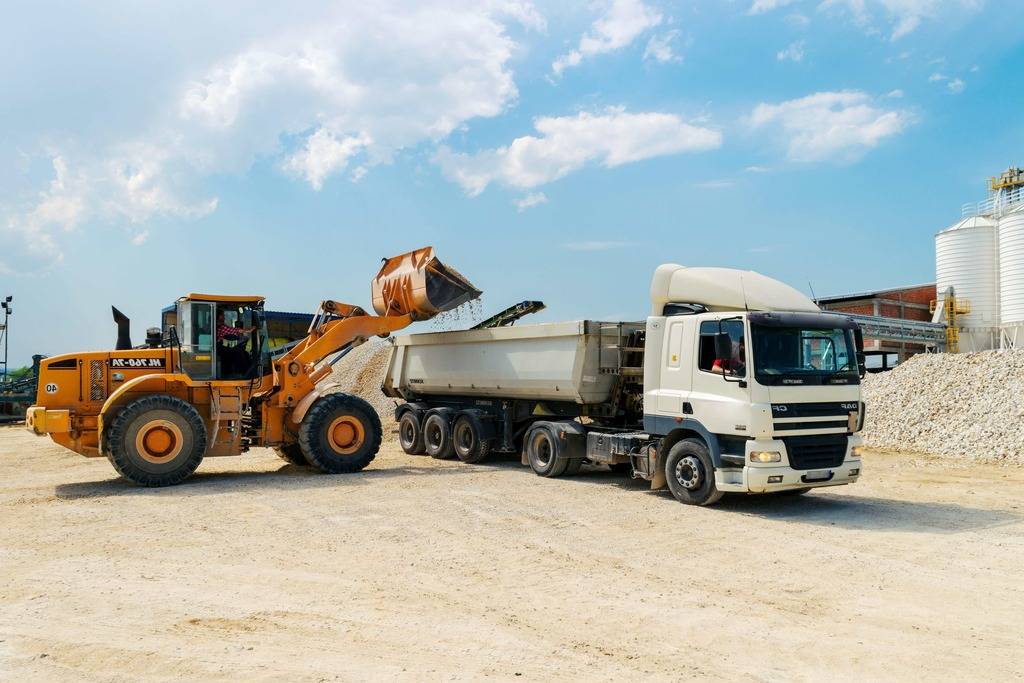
<point>967,405</point>
<point>361,373</point>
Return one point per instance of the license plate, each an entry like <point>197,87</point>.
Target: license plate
<point>817,475</point>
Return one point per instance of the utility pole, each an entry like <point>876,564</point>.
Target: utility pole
<point>7,314</point>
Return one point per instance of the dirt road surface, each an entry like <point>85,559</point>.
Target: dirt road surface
<point>417,569</point>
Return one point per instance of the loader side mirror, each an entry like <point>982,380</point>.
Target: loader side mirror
<point>723,346</point>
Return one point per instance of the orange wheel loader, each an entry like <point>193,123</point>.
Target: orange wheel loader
<point>209,384</point>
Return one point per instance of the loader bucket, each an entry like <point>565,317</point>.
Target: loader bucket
<point>418,284</point>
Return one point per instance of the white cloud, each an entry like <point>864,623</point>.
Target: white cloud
<point>895,94</point>
<point>622,23</point>
<point>956,86</point>
<point>597,245</point>
<point>722,184</point>
<point>793,52</point>
<point>936,77</point>
<point>336,85</point>
<point>762,6</point>
<point>659,48</point>
<point>531,200</point>
<point>757,169</point>
<point>904,16</point>
<point>325,153</point>
<point>568,143</point>
<point>830,125</point>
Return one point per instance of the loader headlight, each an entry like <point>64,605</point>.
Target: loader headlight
<point>765,456</point>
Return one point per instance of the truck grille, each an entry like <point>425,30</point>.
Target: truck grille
<point>815,452</point>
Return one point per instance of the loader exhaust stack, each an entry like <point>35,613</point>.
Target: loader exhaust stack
<point>418,284</point>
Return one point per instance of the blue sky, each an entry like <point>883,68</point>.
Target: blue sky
<point>556,152</point>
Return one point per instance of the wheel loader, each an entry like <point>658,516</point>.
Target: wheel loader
<point>210,385</point>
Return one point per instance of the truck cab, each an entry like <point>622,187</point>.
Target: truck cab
<point>751,369</point>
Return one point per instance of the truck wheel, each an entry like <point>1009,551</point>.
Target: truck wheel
<point>467,439</point>
<point>690,473</point>
<point>572,467</point>
<point>156,441</point>
<point>410,434</point>
<point>340,434</point>
<point>542,450</point>
<point>292,454</point>
<point>437,436</point>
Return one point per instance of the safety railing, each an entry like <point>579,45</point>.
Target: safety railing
<point>996,205</point>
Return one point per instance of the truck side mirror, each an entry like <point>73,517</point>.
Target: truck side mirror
<point>858,340</point>
<point>723,346</point>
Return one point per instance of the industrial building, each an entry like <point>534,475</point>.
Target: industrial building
<point>979,267</point>
<point>905,305</point>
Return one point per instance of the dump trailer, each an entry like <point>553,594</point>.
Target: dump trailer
<point>209,385</point>
<point>735,383</point>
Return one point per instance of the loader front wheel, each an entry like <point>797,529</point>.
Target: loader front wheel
<point>340,434</point>
<point>156,441</point>
<point>292,454</point>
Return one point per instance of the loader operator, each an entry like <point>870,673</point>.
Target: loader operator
<point>234,359</point>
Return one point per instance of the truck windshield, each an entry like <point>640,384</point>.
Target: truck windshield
<point>793,355</point>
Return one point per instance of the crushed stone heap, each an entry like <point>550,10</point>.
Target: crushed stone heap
<point>967,406</point>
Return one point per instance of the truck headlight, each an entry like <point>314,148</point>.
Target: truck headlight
<point>765,456</point>
<point>856,451</point>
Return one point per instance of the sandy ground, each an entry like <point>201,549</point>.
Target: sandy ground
<point>417,569</point>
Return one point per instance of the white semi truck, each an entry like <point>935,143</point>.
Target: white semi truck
<point>735,383</point>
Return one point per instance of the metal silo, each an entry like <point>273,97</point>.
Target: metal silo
<point>966,259</point>
<point>1011,277</point>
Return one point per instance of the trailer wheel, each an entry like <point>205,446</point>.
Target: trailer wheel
<point>340,434</point>
<point>410,434</point>
<point>542,449</point>
<point>691,474</point>
<point>437,436</point>
<point>156,441</point>
<point>467,438</point>
<point>292,454</point>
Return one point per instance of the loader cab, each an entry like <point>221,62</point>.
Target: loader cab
<point>207,355</point>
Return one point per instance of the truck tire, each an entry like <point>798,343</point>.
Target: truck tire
<point>542,450</point>
<point>690,474</point>
<point>437,436</point>
<point>572,467</point>
<point>467,439</point>
<point>340,434</point>
<point>292,454</point>
<point>156,441</point>
<point>410,434</point>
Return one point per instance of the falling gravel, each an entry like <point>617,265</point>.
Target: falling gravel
<point>361,372</point>
<point>967,405</point>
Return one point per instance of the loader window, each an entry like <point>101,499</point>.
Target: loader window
<point>197,339</point>
<point>239,339</point>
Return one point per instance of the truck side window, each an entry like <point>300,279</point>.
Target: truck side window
<point>706,349</point>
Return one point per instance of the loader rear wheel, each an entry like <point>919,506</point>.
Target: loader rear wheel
<point>410,434</point>
<point>542,450</point>
<point>292,454</point>
<point>340,434</point>
<point>156,441</point>
<point>468,441</point>
<point>438,436</point>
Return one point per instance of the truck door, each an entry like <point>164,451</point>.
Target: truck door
<point>676,366</point>
<point>721,396</point>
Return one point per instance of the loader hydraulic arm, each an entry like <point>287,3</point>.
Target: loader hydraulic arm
<point>335,327</point>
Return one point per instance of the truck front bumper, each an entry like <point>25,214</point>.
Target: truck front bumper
<point>41,421</point>
<point>766,478</point>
